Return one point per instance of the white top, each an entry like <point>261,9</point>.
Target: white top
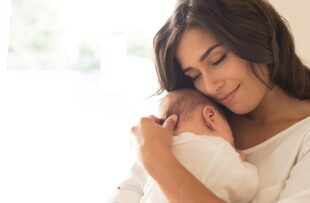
<point>283,163</point>
<point>211,159</point>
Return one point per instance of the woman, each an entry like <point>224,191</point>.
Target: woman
<point>241,54</point>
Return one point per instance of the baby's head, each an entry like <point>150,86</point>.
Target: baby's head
<point>196,114</point>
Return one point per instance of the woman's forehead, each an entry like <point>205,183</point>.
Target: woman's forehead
<point>193,43</point>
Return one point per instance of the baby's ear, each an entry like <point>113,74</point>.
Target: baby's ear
<point>209,116</point>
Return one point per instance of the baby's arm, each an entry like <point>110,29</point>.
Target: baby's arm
<point>237,180</point>
<point>131,189</point>
<point>216,164</point>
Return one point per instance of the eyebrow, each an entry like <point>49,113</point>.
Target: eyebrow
<point>204,56</point>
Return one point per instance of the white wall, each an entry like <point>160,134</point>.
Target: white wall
<point>298,15</point>
<point>5,13</point>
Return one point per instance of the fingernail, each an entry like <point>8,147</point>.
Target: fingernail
<point>174,117</point>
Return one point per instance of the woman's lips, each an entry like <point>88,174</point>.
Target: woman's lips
<point>229,96</point>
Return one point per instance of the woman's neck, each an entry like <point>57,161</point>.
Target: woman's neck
<point>276,112</point>
<point>278,106</point>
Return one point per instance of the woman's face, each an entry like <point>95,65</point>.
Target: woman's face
<point>219,73</point>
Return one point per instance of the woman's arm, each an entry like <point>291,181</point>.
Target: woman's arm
<point>154,151</point>
<point>130,189</point>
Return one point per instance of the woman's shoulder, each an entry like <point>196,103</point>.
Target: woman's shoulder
<point>248,135</point>
<point>301,126</point>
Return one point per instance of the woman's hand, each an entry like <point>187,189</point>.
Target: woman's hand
<point>152,140</point>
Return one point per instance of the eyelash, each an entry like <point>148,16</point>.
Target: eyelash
<point>195,78</point>
<point>220,60</point>
<point>213,64</point>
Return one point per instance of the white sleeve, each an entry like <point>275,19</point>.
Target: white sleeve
<point>231,178</point>
<point>297,186</point>
<point>216,164</point>
<point>131,189</point>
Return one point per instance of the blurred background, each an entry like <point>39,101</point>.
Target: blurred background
<point>74,77</point>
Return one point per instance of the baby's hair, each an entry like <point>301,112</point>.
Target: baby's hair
<point>183,102</point>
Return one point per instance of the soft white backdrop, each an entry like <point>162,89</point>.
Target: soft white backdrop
<point>64,135</point>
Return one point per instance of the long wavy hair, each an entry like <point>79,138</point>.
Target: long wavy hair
<point>251,29</point>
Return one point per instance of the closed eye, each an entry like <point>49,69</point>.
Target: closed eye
<point>196,77</point>
<point>219,60</point>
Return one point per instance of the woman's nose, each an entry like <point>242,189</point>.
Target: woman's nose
<point>213,86</point>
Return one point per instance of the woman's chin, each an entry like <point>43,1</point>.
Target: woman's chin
<point>240,110</point>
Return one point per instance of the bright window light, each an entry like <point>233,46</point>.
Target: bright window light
<point>76,77</point>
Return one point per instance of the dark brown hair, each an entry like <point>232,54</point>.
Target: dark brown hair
<point>251,29</point>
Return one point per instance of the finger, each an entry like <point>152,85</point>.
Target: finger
<point>155,119</point>
<point>171,122</point>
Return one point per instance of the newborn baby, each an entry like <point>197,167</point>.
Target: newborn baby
<point>204,145</point>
